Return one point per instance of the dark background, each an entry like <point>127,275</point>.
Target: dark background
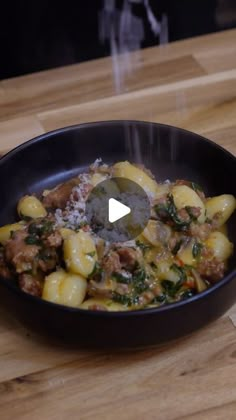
<point>37,35</point>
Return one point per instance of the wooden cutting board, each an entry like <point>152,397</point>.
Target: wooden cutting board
<point>190,84</point>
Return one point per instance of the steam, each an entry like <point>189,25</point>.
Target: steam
<point>125,34</point>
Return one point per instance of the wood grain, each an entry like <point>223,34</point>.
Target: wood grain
<point>191,84</point>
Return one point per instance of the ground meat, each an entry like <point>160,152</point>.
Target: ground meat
<point>30,284</point>
<point>187,216</point>
<point>195,211</point>
<point>111,262</point>
<point>54,239</point>
<point>99,290</point>
<point>19,254</point>
<point>128,258</point>
<point>213,269</point>
<point>160,204</point>
<point>47,259</point>
<point>148,296</point>
<point>200,231</point>
<point>183,215</point>
<point>58,197</point>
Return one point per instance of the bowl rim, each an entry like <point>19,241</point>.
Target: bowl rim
<point>115,314</point>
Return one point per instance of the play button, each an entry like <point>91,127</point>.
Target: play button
<point>117,210</point>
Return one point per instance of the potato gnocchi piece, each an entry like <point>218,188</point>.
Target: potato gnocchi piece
<point>80,253</point>
<point>30,206</point>
<point>222,205</point>
<point>65,232</point>
<point>129,171</point>
<point>108,305</point>
<point>64,288</point>
<point>220,245</point>
<point>5,231</point>
<point>184,196</point>
<point>186,254</point>
<point>157,233</point>
<point>166,273</point>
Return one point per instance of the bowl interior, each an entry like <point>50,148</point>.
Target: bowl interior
<point>169,152</point>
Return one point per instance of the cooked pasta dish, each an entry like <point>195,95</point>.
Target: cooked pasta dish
<point>52,251</point>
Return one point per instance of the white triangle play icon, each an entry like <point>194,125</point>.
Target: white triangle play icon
<point>116,210</point>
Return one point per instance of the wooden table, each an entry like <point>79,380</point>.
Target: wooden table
<point>191,84</point>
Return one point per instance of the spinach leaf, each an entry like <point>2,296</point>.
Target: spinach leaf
<point>181,271</point>
<point>32,240</point>
<point>139,278</point>
<point>121,278</point>
<point>170,287</point>
<point>196,250</point>
<point>127,300</point>
<point>169,213</point>
<point>196,187</point>
<point>177,247</point>
<point>97,270</point>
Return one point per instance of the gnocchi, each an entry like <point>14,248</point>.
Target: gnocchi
<point>55,252</point>
<point>5,231</point>
<point>220,245</point>
<point>30,206</point>
<point>186,196</point>
<point>64,288</point>
<point>80,253</point>
<point>128,171</point>
<point>221,206</point>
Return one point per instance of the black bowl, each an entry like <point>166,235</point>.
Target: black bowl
<point>170,153</point>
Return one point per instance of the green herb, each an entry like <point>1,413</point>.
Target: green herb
<point>169,212</point>
<point>196,187</point>
<point>32,240</point>
<point>181,271</point>
<point>121,278</point>
<point>177,247</point>
<point>45,227</point>
<point>91,254</point>
<point>139,278</point>
<point>144,247</point>
<point>170,287</point>
<point>97,270</point>
<point>196,250</point>
<point>127,300</point>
